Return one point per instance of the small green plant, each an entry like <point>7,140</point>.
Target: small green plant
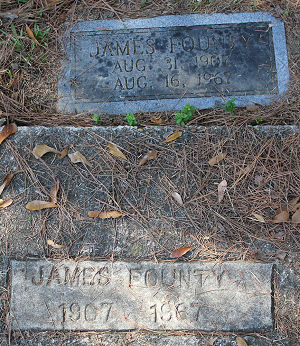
<point>97,119</point>
<point>131,119</point>
<point>230,106</point>
<point>259,120</point>
<point>286,12</point>
<point>143,3</point>
<point>196,3</point>
<point>185,115</point>
<point>15,38</point>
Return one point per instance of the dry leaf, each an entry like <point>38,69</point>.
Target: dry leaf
<point>4,204</point>
<point>281,217</point>
<point>252,108</point>
<point>216,159</point>
<point>296,216</point>
<point>53,193</point>
<point>180,251</point>
<point>77,157</point>
<point>6,181</point>
<point>221,190</point>
<point>105,214</point>
<point>173,136</point>
<point>151,155</point>
<point>31,35</point>
<point>177,198</point>
<point>39,205</point>
<point>156,120</point>
<point>7,131</point>
<point>258,217</point>
<point>294,202</point>
<point>295,207</point>
<point>113,149</point>
<point>54,245</point>
<point>240,341</point>
<point>210,342</point>
<point>64,152</point>
<point>53,2</point>
<point>42,149</point>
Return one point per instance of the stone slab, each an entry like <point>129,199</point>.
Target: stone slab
<point>101,296</point>
<point>162,63</point>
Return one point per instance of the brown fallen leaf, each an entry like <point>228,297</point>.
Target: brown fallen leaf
<point>210,342</point>
<point>39,205</point>
<point>64,152</point>
<point>177,197</point>
<point>295,207</point>
<point>4,204</point>
<point>283,216</point>
<point>240,341</point>
<point>53,193</point>
<point>53,2</point>
<point>42,149</point>
<point>114,150</point>
<point>258,217</point>
<point>252,108</point>
<point>105,214</point>
<point>151,155</point>
<point>156,120</point>
<point>173,136</point>
<point>54,245</point>
<point>77,157</point>
<point>6,181</point>
<point>221,190</point>
<point>180,251</point>
<point>296,216</point>
<point>216,159</point>
<point>7,131</point>
<point>31,35</point>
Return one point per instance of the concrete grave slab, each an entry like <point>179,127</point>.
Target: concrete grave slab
<point>162,63</point>
<point>100,296</point>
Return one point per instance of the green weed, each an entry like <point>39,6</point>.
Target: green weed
<point>144,3</point>
<point>131,119</point>
<point>18,41</point>
<point>185,115</point>
<point>97,119</point>
<point>257,121</point>
<point>230,106</point>
<point>15,38</point>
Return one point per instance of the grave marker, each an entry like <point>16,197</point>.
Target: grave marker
<point>94,295</point>
<point>163,63</point>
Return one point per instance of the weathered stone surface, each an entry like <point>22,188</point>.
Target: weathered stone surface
<point>165,62</point>
<point>90,295</point>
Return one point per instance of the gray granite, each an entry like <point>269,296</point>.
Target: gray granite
<point>170,62</point>
<point>94,295</point>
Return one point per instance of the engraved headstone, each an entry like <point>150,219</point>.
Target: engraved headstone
<point>94,295</point>
<point>162,63</point>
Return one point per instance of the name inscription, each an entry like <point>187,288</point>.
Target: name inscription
<point>162,63</point>
<point>90,295</point>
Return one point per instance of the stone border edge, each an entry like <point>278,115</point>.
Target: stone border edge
<point>66,103</point>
